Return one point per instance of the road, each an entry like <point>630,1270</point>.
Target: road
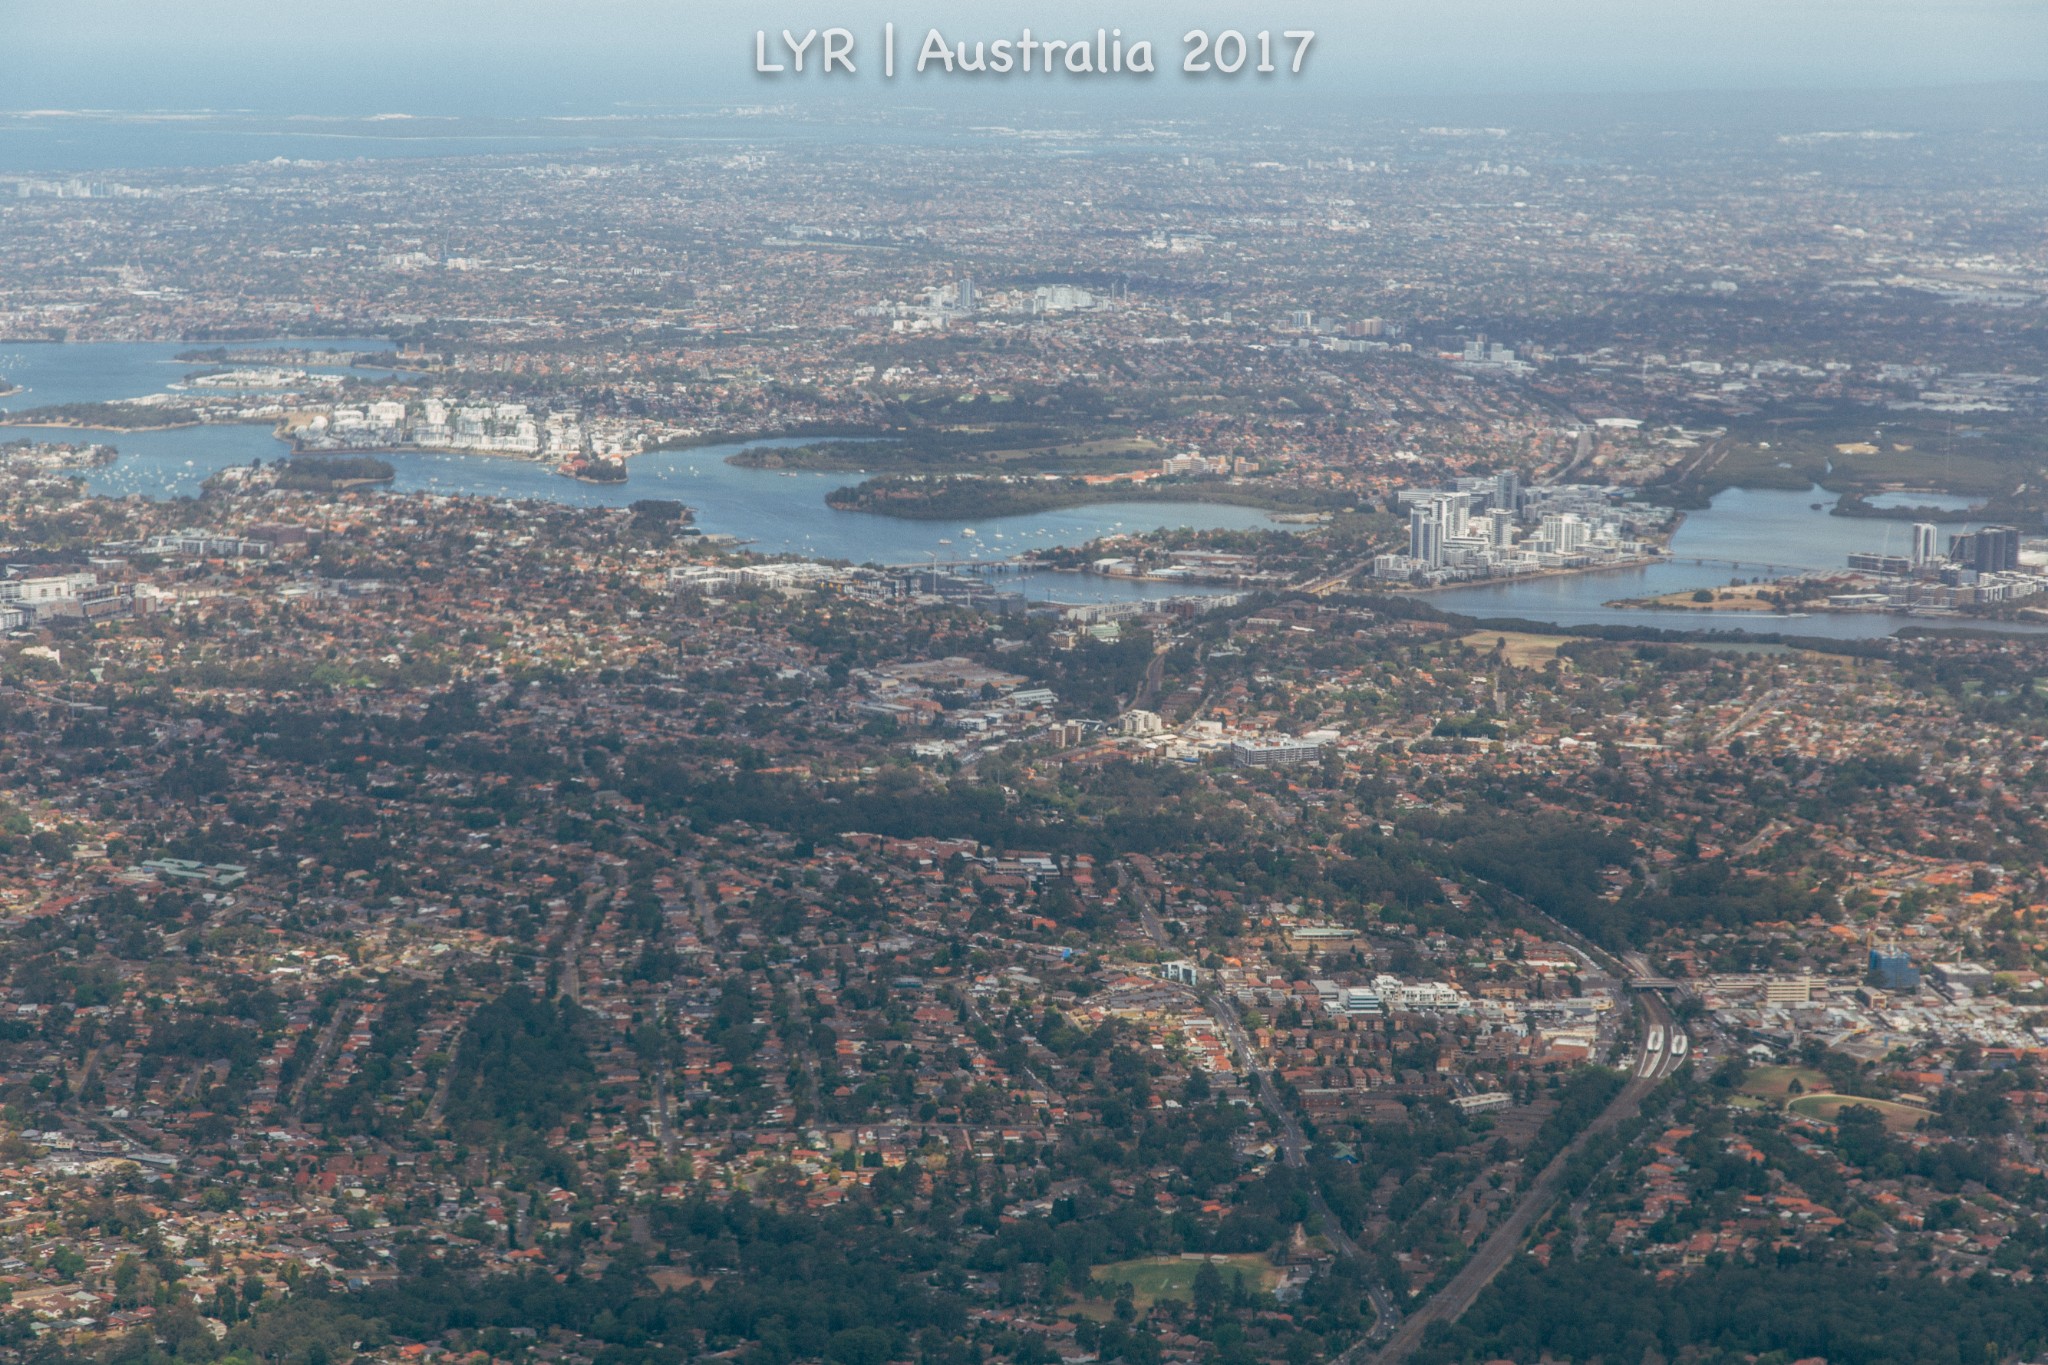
<point>1748,716</point>
<point>438,1105</point>
<point>1329,583</point>
<point>1402,1335</point>
<point>1581,450</point>
<point>1450,1302</point>
<point>1293,1143</point>
<point>1294,1150</point>
<point>1155,678</point>
<point>323,1054</point>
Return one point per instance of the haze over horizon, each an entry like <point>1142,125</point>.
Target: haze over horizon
<point>469,58</point>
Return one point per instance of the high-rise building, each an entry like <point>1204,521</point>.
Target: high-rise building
<point>1923,543</point>
<point>966,299</point>
<point>1425,535</point>
<point>1998,549</point>
<point>1457,513</point>
<point>1301,319</point>
<point>1501,528</point>
<point>1892,970</point>
<point>1507,489</point>
<point>1566,531</point>
<point>1988,549</point>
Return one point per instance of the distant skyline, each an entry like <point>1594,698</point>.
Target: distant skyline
<point>514,56</point>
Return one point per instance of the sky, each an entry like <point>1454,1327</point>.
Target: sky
<point>591,56</point>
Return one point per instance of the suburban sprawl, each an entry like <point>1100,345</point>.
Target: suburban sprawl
<point>463,928</point>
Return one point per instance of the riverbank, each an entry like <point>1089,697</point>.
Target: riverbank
<point>940,454</point>
<point>757,441</point>
<point>967,498</point>
<point>1855,504</point>
<point>1533,576</point>
<point>31,418</point>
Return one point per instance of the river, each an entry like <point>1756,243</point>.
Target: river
<point>772,511</point>
<point>1746,533</point>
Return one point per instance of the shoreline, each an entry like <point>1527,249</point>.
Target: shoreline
<point>991,509</point>
<point>11,421</point>
<point>1707,609</point>
<point>1532,576</point>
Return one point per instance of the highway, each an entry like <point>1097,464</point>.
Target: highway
<point>1665,1048</point>
<point>1654,1062</point>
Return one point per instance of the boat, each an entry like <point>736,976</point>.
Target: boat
<point>944,541</point>
<point>967,530</point>
<point>1816,506</point>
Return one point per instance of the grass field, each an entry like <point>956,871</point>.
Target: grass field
<point>1113,454</point>
<point>1169,1277</point>
<point>1898,1118</point>
<point>1775,1082</point>
<point>1745,598</point>
<point>1523,650</point>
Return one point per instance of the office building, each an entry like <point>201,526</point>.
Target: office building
<point>1275,753</point>
<point>1892,970</point>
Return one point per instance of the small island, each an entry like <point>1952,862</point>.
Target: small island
<point>104,417</point>
<point>596,469</point>
<point>332,473</point>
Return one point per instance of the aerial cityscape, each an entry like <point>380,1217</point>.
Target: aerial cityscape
<point>950,735</point>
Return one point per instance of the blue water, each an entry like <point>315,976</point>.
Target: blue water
<point>771,511</point>
<point>1747,534</point>
<point>101,371</point>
